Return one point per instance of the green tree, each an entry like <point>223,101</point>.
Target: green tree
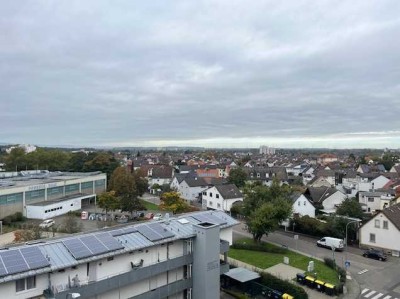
<point>388,160</point>
<point>266,207</point>
<point>77,161</point>
<point>108,201</point>
<point>124,184</point>
<point>16,160</point>
<point>350,207</point>
<point>171,201</point>
<point>102,161</point>
<point>238,177</point>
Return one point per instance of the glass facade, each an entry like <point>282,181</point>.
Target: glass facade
<point>11,199</point>
<point>100,183</point>
<point>87,185</point>
<point>55,191</point>
<point>74,188</point>
<point>36,195</point>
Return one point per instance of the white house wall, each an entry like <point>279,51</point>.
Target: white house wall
<point>303,207</point>
<point>384,238</point>
<point>59,208</point>
<point>332,201</point>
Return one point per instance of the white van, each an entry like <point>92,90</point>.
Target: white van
<point>329,242</point>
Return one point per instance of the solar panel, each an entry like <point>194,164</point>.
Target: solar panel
<point>109,241</point>
<point>123,231</point>
<point>34,257</point>
<point>209,218</point>
<point>14,261</point>
<point>149,233</point>
<point>94,245</point>
<point>77,248</point>
<point>3,271</point>
<point>158,228</point>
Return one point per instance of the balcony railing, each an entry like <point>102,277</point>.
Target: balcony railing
<point>93,288</point>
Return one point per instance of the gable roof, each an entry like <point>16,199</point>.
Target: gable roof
<point>195,182</point>
<point>319,194</point>
<point>162,171</point>
<point>393,214</point>
<point>229,191</point>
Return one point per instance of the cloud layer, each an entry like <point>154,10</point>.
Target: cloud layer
<point>210,73</point>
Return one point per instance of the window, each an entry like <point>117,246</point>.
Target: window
<point>217,195</point>
<point>110,258</point>
<point>25,284</point>
<point>204,193</point>
<point>298,203</point>
<point>385,224</point>
<point>210,194</point>
<point>370,199</point>
<point>258,175</point>
<point>377,223</point>
<point>219,205</point>
<point>372,238</point>
<point>210,203</point>
<point>304,202</point>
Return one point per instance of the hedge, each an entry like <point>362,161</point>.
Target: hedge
<point>259,247</point>
<point>283,286</point>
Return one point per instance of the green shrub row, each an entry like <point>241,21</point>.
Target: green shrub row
<point>283,286</point>
<point>259,247</point>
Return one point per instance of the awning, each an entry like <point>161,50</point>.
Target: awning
<point>242,274</point>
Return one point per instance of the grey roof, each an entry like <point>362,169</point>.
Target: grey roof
<point>195,182</point>
<point>319,194</point>
<point>59,256</point>
<point>393,214</point>
<point>242,274</point>
<point>229,191</point>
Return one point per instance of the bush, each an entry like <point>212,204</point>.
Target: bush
<point>16,217</point>
<point>330,262</point>
<point>283,286</point>
<point>259,247</point>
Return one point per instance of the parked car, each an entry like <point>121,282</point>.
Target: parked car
<point>158,216</point>
<point>149,216</point>
<point>329,242</point>
<point>47,223</point>
<point>375,254</point>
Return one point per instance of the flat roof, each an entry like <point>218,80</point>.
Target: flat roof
<point>19,179</point>
<point>242,274</point>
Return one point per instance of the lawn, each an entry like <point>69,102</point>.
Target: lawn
<point>266,259</point>
<point>150,206</point>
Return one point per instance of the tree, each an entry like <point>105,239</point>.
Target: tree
<point>25,235</point>
<point>70,224</point>
<point>102,161</point>
<point>266,207</point>
<point>16,160</point>
<point>238,177</point>
<point>124,184</point>
<point>108,201</point>
<point>171,201</point>
<point>350,207</point>
<point>141,183</point>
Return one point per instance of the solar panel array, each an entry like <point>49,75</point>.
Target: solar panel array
<point>91,245</point>
<point>21,260</point>
<point>209,218</point>
<point>123,231</point>
<point>154,232</point>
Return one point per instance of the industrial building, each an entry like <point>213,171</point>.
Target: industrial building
<point>174,258</point>
<point>41,194</point>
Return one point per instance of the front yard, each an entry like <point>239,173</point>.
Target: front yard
<point>265,260</point>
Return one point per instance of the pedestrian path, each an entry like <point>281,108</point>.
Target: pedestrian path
<point>373,294</point>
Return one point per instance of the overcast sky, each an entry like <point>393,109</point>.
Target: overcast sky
<point>202,73</point>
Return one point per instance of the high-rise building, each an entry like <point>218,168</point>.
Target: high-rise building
<point>266,150</point>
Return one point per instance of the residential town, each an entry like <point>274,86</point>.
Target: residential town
<point>350,196</point>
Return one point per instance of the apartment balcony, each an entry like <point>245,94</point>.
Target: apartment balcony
<point>93,288</point>
<point>167,290</point>
<point>223,246</point>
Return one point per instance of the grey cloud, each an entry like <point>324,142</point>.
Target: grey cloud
<point>97,72</point>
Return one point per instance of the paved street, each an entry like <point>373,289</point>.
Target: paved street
<point>378,280</point>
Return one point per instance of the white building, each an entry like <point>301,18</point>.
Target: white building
<point>28,148</point>
<point>302,206</point>
<point>26,190</point>
<point>175,258</point>
<point>221,197</point>
<point>383,230</point>
<point>192,188</point>
<point>375,200</point>
<point>266,150</point>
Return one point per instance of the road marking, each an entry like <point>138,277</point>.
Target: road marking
<point>377,296</point>
<point>387,297</point>
<point>364,291</point>
<point>363,271</point>
<point>370,294</point>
